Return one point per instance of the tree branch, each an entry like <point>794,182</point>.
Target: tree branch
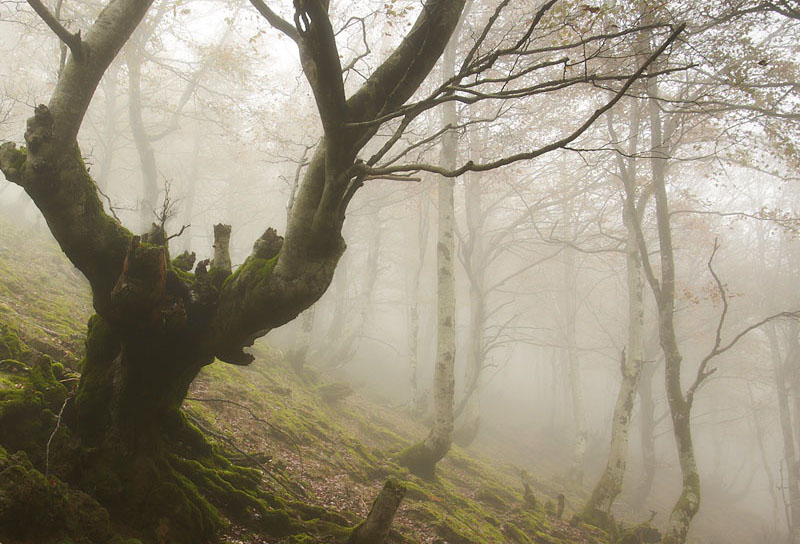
<point>275,20</point>
<point>482,167</point>
<point>703,371</point>
<point>73,41</point>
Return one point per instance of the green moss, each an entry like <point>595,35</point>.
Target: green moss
<point>39,509</point>
<point>186,277</point>
<point>515,534</point>
<point>11,347</point>
<point>253,267</point>
<point>494,496</point>
<point>218,276</point>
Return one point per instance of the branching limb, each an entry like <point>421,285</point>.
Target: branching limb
<point>703,371</point>
<point>319,56</point>
<point>482,167</point>
<point>275,20</point>
<point>73,41</point>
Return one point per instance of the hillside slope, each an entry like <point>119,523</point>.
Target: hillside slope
<point>323,451</point>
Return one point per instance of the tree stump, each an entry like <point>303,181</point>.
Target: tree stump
<point>375,528</point>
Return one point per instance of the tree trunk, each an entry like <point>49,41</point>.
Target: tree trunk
<point>375,528</point>
<point>647,438</point>
<point>784,366</point>
<point>158,326</point>
<point>680,407</point>
<point>598,507</point>
<point>422,458</point>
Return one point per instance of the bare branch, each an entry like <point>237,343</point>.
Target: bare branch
<point>470,166</point>
<point>703,371</point>
<point>73,41</point>
<point>275,20</point>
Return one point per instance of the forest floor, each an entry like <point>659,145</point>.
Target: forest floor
<point>316,440</point>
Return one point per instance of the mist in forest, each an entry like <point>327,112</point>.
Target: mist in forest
<point>662,238</point>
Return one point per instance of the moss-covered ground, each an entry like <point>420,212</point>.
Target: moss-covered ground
<point>321,453</point>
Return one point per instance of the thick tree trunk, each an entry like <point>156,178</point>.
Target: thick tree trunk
<point>159,326</point>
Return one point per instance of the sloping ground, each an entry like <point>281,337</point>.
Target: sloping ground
<point>316,442</point>
<point>336,452</point>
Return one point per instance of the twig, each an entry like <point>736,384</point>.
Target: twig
<point>471,166</point>
<point>110,205</point>
<point>183,228</point>
<point>49,440</point>
<point>702,371</point>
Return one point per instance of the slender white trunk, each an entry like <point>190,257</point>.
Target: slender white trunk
<point>610,484</point>
<point>422,458</point>
<point>444,374</point>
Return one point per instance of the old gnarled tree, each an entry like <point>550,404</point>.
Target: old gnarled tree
<point>157,325</point>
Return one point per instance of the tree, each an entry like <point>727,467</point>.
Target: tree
<point>156,327</point>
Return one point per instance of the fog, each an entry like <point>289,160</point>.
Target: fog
<point>206,108</point>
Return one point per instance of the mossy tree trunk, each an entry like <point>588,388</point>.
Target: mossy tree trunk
<point>157,326</point>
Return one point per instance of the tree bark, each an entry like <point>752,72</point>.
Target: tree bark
<point>375,528</point>
<point>647,437</point>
